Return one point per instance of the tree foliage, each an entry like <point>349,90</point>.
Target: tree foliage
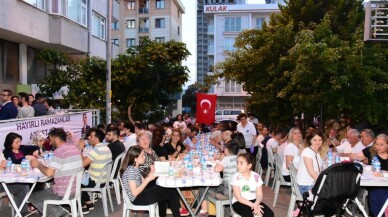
<point>310,56</point>
<point>143,79</point>
<point>189,98</point>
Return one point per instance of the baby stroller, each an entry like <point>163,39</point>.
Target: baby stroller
<point>332,191</point>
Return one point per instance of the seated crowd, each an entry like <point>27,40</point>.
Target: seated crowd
<point>240,149</point>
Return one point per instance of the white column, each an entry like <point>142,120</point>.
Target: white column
<point>23,64</point>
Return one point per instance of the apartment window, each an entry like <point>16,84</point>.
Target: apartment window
<point>9,62</point>
<point>115,41</point>
<point>131,24</point>
<point>232,24</point>
<point>259,22</point>
<point>77,11</point>
<point>37,3</point>
<point>159,4</point>
<point>159,39</point>
<point>232,87</point>
<point>99,24</point>
<point>116,25</point>
<point>131,42</point>
<point>228,44</point>
<point>131,5</point>
<point>159,23</point>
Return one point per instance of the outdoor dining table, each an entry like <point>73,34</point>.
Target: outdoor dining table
<point>32,177</point>
<point>207,178</point>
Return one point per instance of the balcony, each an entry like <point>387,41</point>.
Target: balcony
<point>143,29</point>
<point>143,11</point>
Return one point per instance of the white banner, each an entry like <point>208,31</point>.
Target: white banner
<point>26,127</point>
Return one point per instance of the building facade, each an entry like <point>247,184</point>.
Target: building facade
<point>159,20</point>
<point>76,27</point>
<point>222,21</point>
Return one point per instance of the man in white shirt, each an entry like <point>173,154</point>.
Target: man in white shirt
<point>130,135</point>
<point>352,145</point>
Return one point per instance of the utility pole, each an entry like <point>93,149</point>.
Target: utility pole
<point>108,66</point>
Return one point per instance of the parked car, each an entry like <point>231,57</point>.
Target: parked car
<point>227,114</point>
<point>228,125</point>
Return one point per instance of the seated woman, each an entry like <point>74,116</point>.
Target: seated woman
<point>311,160</point>
<point>292,152</point>
<point>38,139</point>
<point>157,144</point>
<point>17,152</point>
<point>377,196</point>
<point>174,147</point>
<point>248,190</point>
<point>144,142</point>
<point>135,185</point>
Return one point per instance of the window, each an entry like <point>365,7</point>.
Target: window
<point>77,11</point>
<point>131,5</point>
<point>159,23</point>
<point>131,42</point>
<point>115,41</point>
<point>232,24</point>
<point>232,87</point>
<point>131,24</point>
<point>116,25</point>
<point>159,4</point>
<point>159,39</point>
<point>98,29</point>
<point>37,3</point>
<point>84,12</point>
<point>36,70</point>
<point>259,22</point>
<point>9,62</point>
<point>228,44</point>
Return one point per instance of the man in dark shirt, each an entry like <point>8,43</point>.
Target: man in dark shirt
<point>8,110</point>
<point>115,146</point>
<point>39,107</point>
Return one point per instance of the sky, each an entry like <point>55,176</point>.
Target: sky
<point>189,36</point>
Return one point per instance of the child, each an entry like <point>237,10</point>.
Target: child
<point>247,189</point>
<point>135,185</point>
<point>228,165</point>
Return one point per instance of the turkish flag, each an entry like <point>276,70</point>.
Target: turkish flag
<point>206,108</point>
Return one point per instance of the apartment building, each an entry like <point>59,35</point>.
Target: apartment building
<point>76,27</point>
<point>219,23</point>
<point>159,20</point>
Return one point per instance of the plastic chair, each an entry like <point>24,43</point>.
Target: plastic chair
<point>232,212</point>
<point>103,189</point>
<point>115,180</point>
<point>258,168</point>
<point>219,203</point>
<point>127,206</point>
<point>278,179</point>
<point>66,198</point>
<point>295,194</point>
<point>269,169</point>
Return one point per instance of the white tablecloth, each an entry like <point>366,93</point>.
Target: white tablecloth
<point>205,179</point>
<point>31,177</point>
<point>368,179</point>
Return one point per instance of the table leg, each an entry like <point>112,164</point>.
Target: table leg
<point>10,197</point>
<point>187,204</point>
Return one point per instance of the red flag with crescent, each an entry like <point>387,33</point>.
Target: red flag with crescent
<point>206,108</point>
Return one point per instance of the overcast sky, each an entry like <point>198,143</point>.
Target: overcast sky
<point>189,31</point>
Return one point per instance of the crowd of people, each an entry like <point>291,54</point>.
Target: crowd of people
<point>238,149</point>
<point>24,105</point>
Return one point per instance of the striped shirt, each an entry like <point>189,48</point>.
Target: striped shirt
<point>100,156</point>
<point>66,161</point>
<point>131,174</point>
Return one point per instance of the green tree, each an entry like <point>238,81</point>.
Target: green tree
<point>310,56</point>
<point>189,98</point>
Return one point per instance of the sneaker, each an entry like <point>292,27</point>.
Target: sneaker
<point>90,206</point>
<point>85,210</point>
<point>184,212</point>
<point>203,213</point>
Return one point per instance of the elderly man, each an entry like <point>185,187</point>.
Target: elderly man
<point>367,137</point>
<point>8,110</point>
<point>66,161</point>
<point>352,144</point>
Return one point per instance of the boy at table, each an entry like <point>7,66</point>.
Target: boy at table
<point>65,162</point>
<point>19,191</point>
<point>228,166</point>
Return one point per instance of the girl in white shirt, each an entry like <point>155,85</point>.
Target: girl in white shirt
<point>247,189</point>
<point>292,152</point>
<point>311,161</point>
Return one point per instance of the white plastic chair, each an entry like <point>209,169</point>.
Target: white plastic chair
<point>103,190</point>
<point>295,195</point>
<point>269,169</point>
<point>258,168</point>
<point>232,212</point>
<point>219,203</point>
<point>128,206</point>
<point>3,195</point>
<point>278,179</point>
<point>66,198</point>
<point>115,181</point>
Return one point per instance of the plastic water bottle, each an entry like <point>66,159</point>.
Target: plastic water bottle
<point>50,155</point>
<point>337,159</point>
<point>9,165</point>
<point>377,166</point>
<point>329,158</point>
<point>171,171</point>
<point>203,164</point>
<point>373,163</point>
<point>190,168</point>
<point>45,158</point>
<point>24,165</point>
<point>28,165</point>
